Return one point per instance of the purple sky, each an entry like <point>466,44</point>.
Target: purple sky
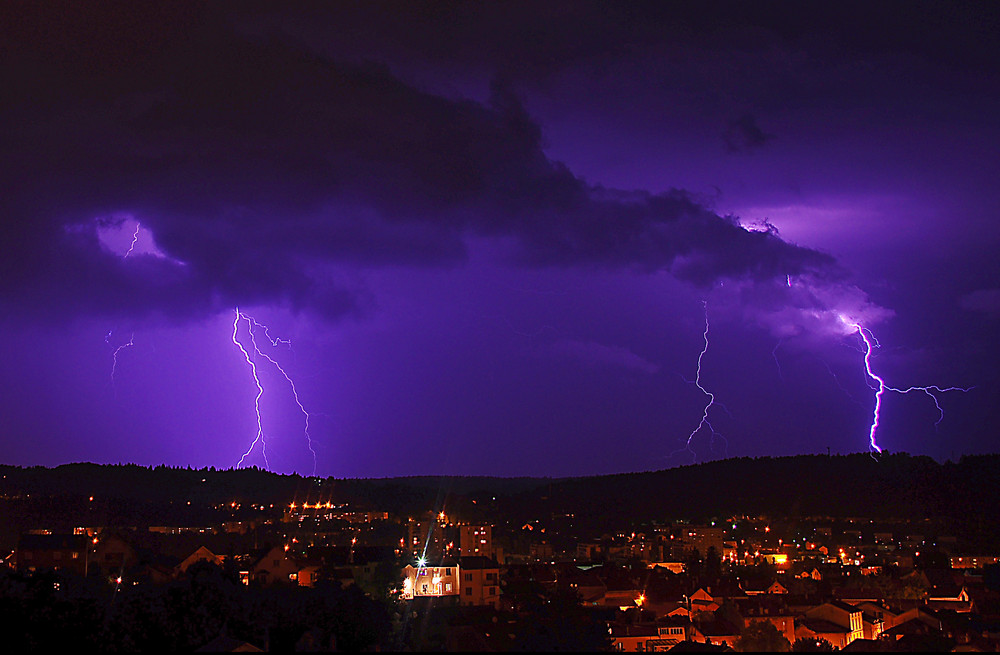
<point>488,235</point>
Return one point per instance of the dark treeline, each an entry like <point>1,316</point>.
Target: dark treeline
<point>55,611</point>
<point>890,486</point>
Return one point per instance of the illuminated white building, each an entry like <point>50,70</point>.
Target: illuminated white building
<point>421,580</point>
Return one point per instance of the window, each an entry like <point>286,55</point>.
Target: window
<point>447,571</point>
<point>468,577</point>
<point>468,591</point>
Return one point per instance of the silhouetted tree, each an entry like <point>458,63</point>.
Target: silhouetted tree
<point>812,645</point>
<point>761,637</point>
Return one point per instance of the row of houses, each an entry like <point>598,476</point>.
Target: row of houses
<point>113,555</point>
<point>864,627</point>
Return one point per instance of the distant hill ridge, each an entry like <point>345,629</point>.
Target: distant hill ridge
<point>895,484</point>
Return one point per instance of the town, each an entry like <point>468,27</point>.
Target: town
<point>326,568</point>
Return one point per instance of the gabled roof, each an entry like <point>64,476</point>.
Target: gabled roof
<point>225,644</point>
<point>821,627</point>
<point>846,607</point>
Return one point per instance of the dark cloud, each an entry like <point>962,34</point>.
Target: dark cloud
<point>255,163</point>
<point>744,135</point>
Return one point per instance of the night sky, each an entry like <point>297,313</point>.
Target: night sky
<point>485,238</point>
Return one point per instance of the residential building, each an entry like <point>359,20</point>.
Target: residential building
<point>421,581</point>
<point>847,619</point>
<point>201,555</point>
<point>37,552</point>
<point>475,540</point>
<point>479,582</point>
<point>276,566</point>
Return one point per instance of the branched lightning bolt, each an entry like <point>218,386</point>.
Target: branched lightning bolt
<point>256,402</point>
<point>871,342</point>
<point>711,397</point>
<point>274,342</point>
<point>251,324</point>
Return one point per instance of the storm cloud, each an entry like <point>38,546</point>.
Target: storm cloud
<point>257,164</point>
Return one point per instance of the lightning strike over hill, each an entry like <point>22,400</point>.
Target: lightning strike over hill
<point>871,342</point>
<point>704,422</point>
<point>256,401</point>
<point>252,323</point>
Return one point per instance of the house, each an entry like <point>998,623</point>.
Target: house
<point>645,636</point>
<point>633,637</point>
<point>275,566</point>
<point>847,619</point>
<point>622,588</point>
<point>201,555</point>
<point>309,575</point>
<point>112,553</point>
<point>716,631</point>
<point>948,591</point>
<point>53,552</point>
<point>878,612</point>
<point>702,601</point>
<point>817,629</point>
<point>586,583</point>
<point>479,583</point>
<point>773,587</point>
<point>766,607</point>
<point>431,581</point>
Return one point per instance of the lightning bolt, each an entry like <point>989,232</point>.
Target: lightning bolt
<point>135,238</point>
<point>256,401</point>
<point>131,339</point>
<point>711,397</point>
<point>870,342</point>
<point>774,356</point>
<point>251,324</point>
<point>114,357</point>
